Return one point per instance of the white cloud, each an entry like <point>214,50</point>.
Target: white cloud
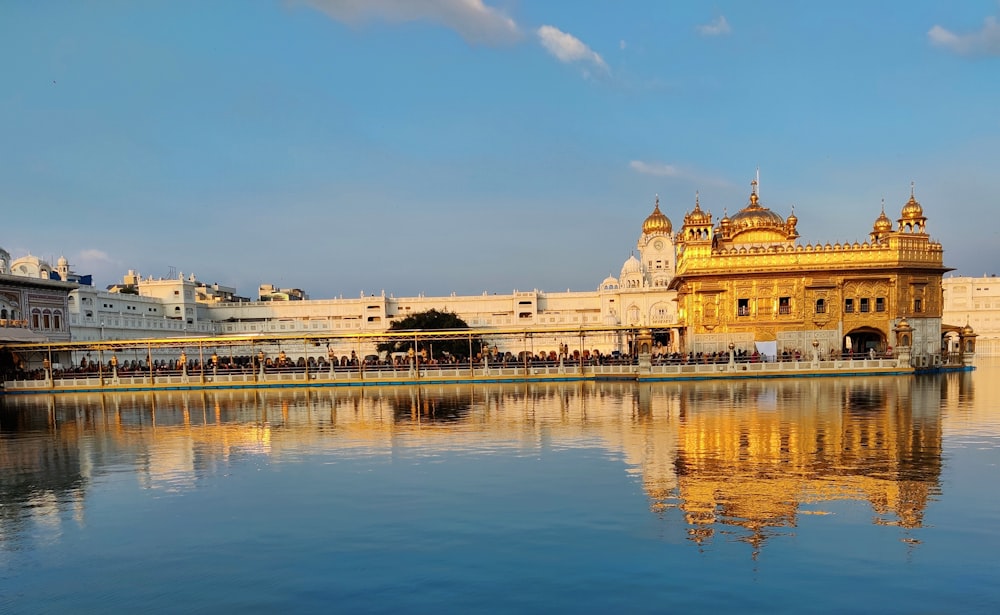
<point>984,42</point>
<point>93,255</point>
<point>718,27</point>
<point>567,48</point>
<point>660,169</point>
<point>98,263</point>
<point>472,19</point>
<point>655,168</point>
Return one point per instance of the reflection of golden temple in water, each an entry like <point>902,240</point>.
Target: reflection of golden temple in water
<point>744,458</point>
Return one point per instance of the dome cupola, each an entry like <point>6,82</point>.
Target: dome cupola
<point>632,265</point>
<point>755,216</point>
<point>882,224</point>
<point>656,222</point>
<point>911,219</point>
<point>697,217</point>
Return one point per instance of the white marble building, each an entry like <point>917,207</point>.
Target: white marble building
<point>33,305</point>
<point>157,308</point>
<point>975,302</point>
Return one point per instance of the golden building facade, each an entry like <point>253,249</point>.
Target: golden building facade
<point>749,282</point>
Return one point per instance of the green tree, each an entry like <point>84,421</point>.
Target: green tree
<point>431,320</point>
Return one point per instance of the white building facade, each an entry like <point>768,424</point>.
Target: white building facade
<point>156,308</point>
<point>975,301</point>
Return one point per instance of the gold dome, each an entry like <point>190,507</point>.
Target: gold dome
<point>697,217</point>
<point>912,210</point>
<point>755,216</point>
<point>883,224</point>
<point>657,222</point>
<point>967,330</point>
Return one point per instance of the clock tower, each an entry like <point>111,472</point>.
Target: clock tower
<point>656,248</point>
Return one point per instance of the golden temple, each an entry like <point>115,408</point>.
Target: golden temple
<point>748,280</point>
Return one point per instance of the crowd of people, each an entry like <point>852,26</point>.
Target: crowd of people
<point>281,362</point>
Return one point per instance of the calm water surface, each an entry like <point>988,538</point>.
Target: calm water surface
<point>819,495</point>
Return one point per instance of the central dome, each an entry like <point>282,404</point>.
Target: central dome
<point>755,216</point>
<point>657,222</point>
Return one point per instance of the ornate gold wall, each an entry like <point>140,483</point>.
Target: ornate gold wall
<point>749,279</point>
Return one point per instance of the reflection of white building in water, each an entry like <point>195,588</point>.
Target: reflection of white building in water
<point>146,307</point>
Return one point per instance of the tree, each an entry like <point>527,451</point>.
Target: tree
<point>431,320</point>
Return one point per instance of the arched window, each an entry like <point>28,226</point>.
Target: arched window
<point>36,317</point>
<point>46,320</point>
<point>821,306</point>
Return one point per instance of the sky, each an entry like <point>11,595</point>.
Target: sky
<point>469,146</point>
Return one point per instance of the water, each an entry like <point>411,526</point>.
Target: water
<point>818,495</point>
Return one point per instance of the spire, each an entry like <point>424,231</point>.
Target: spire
<point>657,201</point>
<point>911,189</point>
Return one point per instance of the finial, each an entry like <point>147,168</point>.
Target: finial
<point>657,200</point>
<point>911,189</point>
<point>696,196</point>
<point>883,205</point>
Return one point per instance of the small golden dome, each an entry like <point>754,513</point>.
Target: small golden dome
<point>966,330</point>
<point>697,217</point>
<point>883,224</point>
<point>657,222</point>
<point>912,210</point>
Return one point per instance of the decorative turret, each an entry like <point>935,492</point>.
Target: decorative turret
<point>790,223</point>
<point>967,345</point>
<point>882,226</point>
<point>697,224</point>
<point>912,218</point>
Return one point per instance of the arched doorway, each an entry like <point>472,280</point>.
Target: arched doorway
<point>661,340</point>
<point>863,340</point>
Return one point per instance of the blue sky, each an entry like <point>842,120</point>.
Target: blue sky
<point>443,146</point>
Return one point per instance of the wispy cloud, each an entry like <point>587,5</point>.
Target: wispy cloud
<point>475,21</point>
<point>655,168</point>
<point>96,262</point>
<point>569,49</point>
<point>717,27</point>
<point>985,41</point>
<point>660,169</point>
<point>93,255</point>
